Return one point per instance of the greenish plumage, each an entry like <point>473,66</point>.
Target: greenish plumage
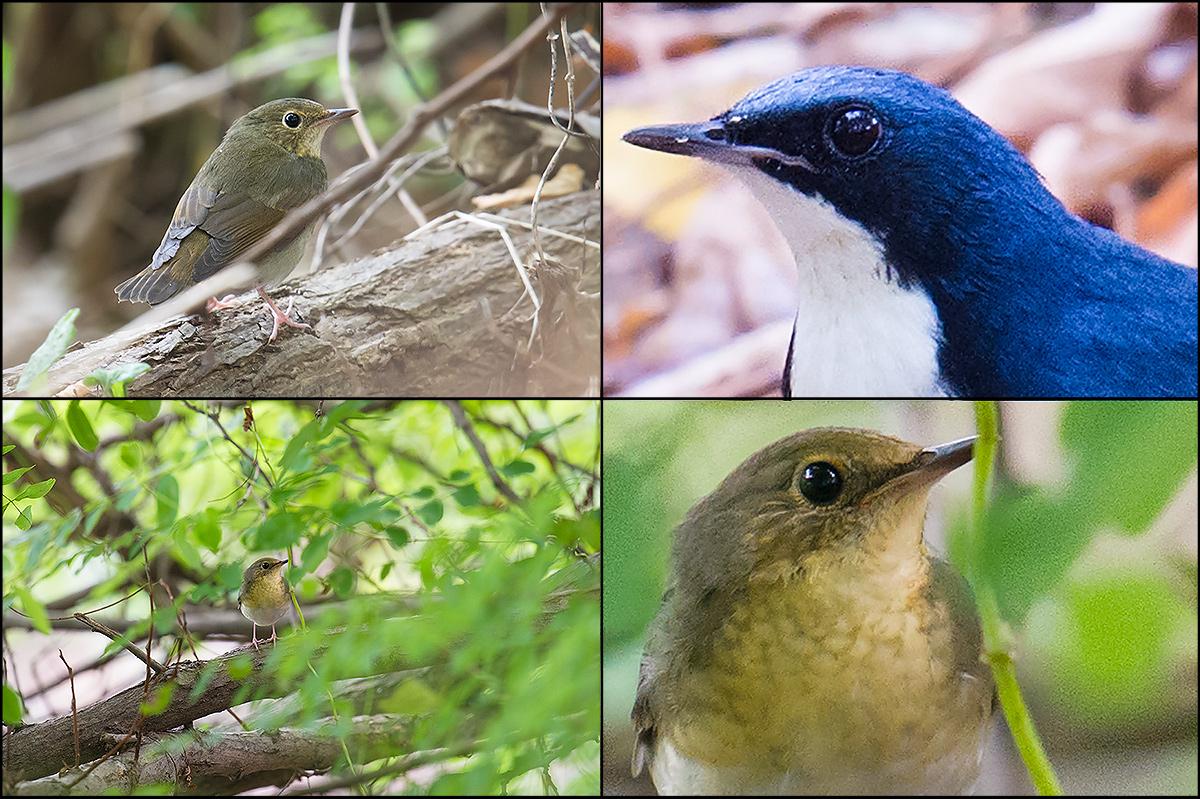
<point>265,595</point>
<point>268,163</point>
<point>808,642</point>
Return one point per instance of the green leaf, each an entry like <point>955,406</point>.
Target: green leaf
<point>54,347</point>
<point>342,582</point>
<point>146,410</point>
<point>12,198</point>
<point>208,530</point>
<point>12,707</point>
<point>81,427</point>
<point>314,553</point>
<point>431,512</point>
<point>298,446</point>
<point>37,490</point>
<point>279,531</point>
<point>112,380</point>
<point>517,467</point>
<point>397,535</point>
<point>466,496</point>
<point>11,476</point>
<point>167,496</point>
<point>1129,458</point>
<point>34,609</point>
<point>160,699</point>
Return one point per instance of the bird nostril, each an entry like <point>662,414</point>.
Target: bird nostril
<point>715,134</point>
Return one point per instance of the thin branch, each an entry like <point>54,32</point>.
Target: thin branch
<point>464,424</point>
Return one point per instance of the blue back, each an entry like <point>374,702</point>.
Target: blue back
<point>1033,300</point>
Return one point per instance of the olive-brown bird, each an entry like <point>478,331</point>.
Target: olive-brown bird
<point>265,595</point>
<point>807,642</point>
<point>268,163</point>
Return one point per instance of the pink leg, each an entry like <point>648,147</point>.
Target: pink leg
<point>225,302</point>
<point>280,316</point>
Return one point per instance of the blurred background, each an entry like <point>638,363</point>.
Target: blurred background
<point>1091,550</point>
<point>699,287</point>
<point>111,109</point>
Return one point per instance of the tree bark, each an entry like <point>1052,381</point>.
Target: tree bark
<point>429,317</point>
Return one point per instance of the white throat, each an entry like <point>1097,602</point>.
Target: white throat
<point>858,333</point>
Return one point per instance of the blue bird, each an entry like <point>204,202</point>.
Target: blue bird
<point>932,259</point>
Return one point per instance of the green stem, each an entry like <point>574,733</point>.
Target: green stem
<point>997,638</point>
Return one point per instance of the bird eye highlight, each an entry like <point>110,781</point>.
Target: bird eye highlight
<point>855,131</point>
<point>291,119</point>
<point>820,483</point>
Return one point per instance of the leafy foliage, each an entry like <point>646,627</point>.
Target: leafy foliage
<point>411,567</point>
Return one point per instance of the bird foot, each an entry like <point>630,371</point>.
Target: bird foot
<point>214,304</point>
<point>279,315</point>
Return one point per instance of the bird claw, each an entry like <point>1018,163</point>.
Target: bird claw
<point>214,304</point>
<point>279,315</point>
<point>276,314</point>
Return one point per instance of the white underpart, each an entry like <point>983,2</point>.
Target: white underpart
<point>675,774</point>
<point>857,332</point>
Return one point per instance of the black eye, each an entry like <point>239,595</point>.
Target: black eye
<point>291,119</point>
<point>820,483</point>
<point>855,131</point>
